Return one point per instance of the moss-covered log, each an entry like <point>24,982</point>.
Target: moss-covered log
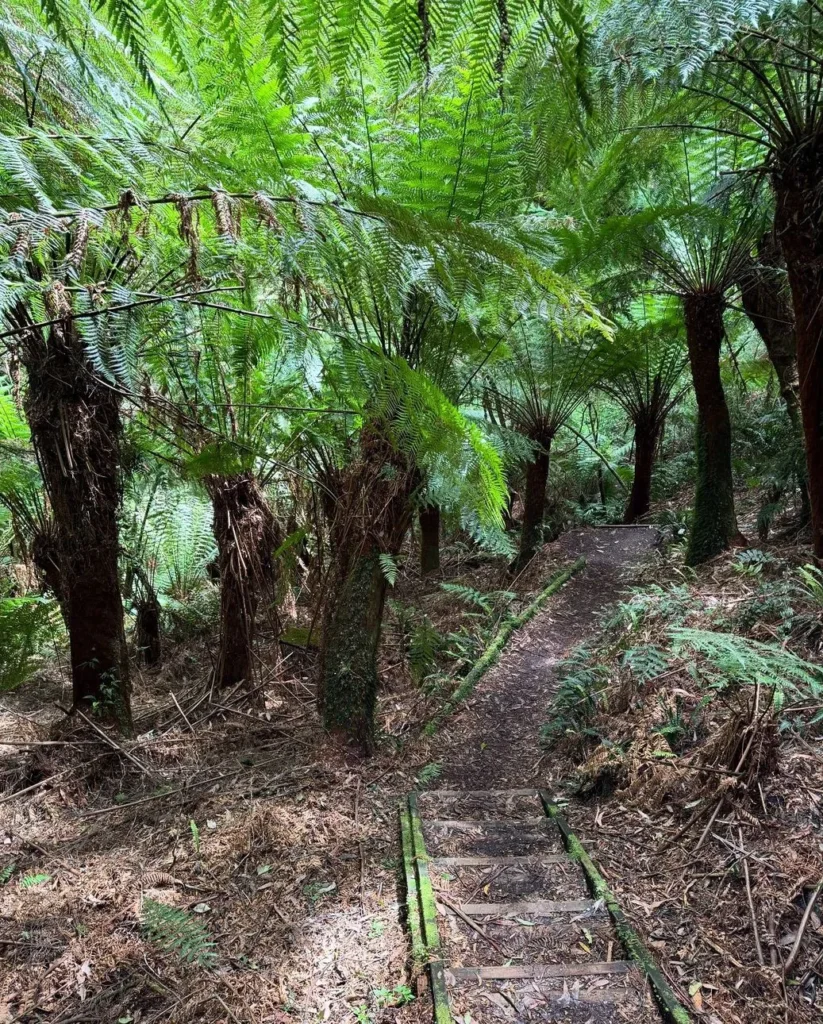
<point>670,1006</point>
<point>713,524</point>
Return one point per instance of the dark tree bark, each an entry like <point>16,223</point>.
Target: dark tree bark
<point>713,525</point>
<point>798,185</point>
<point>534,505</point>
<point>76,427</point>
<point>766,299</point>
<point>767,302</point>
<point>429,539</point>
<point>369,517</point>
<point>646,439</point>
<point>246,535</point>
<point>147,632</point>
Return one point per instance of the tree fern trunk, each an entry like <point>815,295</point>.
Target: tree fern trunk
<point>246,535</point>
<point>534,507</point>
<point>646,437</point>
<point>370,514</point>
<point>798,187</point>
<point>713,523</point>
<point>429,539</point>
<point>147,632</point>
<point>76,427</point>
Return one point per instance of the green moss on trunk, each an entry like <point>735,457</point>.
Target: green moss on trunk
<point>350,640</point>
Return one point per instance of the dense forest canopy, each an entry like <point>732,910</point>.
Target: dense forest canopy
<point>306,273</point>
<point>302,302</point>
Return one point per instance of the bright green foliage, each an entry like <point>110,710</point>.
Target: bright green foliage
<point>176,931</point>
<point>27,625</point>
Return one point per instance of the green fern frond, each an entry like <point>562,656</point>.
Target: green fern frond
<point>176,931</point>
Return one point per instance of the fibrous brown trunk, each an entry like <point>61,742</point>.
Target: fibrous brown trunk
<point>75,425</point>
<point>766,299</point>
<point>713,524</point>
<point>147,632</point>
<point>646,438</point>
<point>369,516</point>
<point>767,302</point>
<point>798,185</point>
<point>246,534</point>
<point>429,538</point>
<point>534,505</point>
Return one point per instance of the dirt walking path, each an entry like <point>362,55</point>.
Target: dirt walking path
<point>493,742</point>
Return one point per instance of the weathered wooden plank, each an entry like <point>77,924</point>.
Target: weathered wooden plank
<point>670,1006</point>
<point>412,897</point>
<point>451,794</point>
<point>428,911</point>
<point>484,822</point>
<point>540,971</point>
<point>476,862</point>
<point>544,908</point>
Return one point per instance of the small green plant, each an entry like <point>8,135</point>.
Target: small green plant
<point>175,931</point>
<point>400,995</point>
<point>376,929</point>
<point>674,728</point>
<point>316,891</point>
<point>429,773</point>
<point>195,836</point>
<point>486,602</point>
<point>751,563</point>
<point>425,645</point>
<point>645,663</point>
<point>7,872</point>
<point>362,1014</point>
<point>30,881</point>
<point>811,584</point>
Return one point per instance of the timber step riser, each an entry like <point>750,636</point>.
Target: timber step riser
<point>610,982</point>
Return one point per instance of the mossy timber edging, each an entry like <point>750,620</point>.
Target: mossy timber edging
<point>495,648</point>
<point>421,907</point>
<point>669,1005</point>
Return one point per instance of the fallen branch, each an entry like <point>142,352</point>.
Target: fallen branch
<point>804,923</point>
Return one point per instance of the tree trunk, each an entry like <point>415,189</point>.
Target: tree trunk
<point>767,302</point>
<point>147,632</point>
<point>534,507</point>
<point>798,184</point>
<point>713,524</point>
<point>75,425</point>
<point>370,515</point>
<point>246,534</point>
<point>646,436</point>
<point>429,539</point>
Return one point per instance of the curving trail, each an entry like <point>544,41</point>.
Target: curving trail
<point>493,742</point>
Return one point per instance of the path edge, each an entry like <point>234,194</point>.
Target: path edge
<point>671,1009</point>
<point>492,653</point>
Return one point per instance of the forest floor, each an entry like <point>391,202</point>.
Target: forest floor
<point>284,848</point>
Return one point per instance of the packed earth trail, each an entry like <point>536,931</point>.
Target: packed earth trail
<point>498,902</point>
<point>494,743</point>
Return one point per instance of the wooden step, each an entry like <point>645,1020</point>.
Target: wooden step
<point>454,794</point>
<point>479,862</point>
<point>538,908</point>
<point>470,823</point>
<point>539,971</point>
